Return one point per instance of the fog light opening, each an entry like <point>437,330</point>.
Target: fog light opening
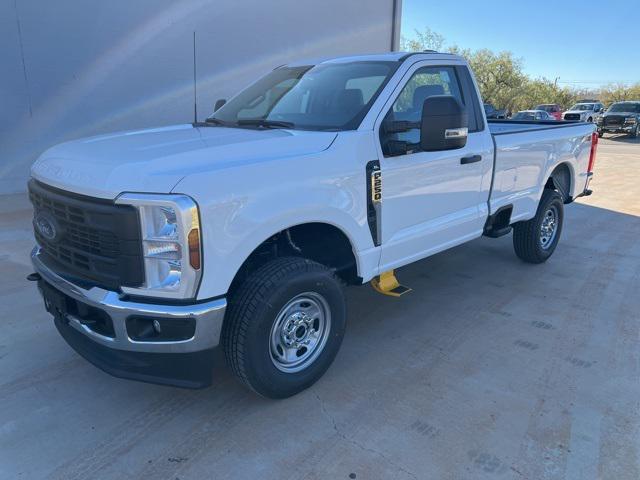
<point>149,329</point>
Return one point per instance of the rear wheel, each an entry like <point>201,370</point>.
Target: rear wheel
<point>284,326</point>
<point>535,240</point>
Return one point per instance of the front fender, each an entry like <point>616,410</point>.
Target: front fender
<point>241,209</point>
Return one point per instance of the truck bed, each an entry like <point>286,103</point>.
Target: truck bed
<point>526,152</point>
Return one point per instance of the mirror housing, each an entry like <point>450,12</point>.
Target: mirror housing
<point>444,124</point>
<point>219,103</point>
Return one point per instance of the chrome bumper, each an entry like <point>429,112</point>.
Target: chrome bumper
<point>208,316</point>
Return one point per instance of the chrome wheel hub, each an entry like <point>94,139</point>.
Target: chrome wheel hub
<point>549,227</point>
<point>300,332</point>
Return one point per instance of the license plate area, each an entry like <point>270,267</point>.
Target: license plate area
<point>54,301</point>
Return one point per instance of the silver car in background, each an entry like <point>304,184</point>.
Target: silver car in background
<point>533,115</point>
<point>584,112</point>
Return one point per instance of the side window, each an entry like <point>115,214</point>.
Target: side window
<point>425,82</point>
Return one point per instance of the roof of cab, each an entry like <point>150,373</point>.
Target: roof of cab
<point>376,57</point>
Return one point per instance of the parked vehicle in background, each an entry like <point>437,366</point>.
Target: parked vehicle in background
<point>621,117</point>
<point>583,112</point>
<point>156,246</point>
<point>552,109</point>
<point>532,115</point>
<point>493,113</point>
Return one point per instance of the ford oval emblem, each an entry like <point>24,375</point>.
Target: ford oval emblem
<point>47,226</point>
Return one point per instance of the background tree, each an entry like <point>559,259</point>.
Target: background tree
<point>619,92</point>
<point>426,39</point>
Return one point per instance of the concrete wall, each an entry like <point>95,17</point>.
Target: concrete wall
<point>73,68</point>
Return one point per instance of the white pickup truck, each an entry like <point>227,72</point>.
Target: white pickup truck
<point>156,246</point>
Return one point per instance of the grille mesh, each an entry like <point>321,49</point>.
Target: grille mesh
<point>98,241</point>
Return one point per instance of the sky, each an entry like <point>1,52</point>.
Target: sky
<point>586,43</point>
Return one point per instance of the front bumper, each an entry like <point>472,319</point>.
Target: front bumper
<point>625,128</point>
<point>186,362</point>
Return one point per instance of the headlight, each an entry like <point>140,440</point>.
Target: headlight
<point>599,120</point>
<point>170,227</point>
<point>631,120</point>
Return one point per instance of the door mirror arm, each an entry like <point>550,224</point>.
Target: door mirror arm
<point>399,126</point>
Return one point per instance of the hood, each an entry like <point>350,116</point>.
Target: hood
<point>581,112</point>
<point>155,160</point>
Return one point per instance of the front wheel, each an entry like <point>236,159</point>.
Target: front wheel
<point>284,326</point>
<point>600,133</point>
<point>535,240</point>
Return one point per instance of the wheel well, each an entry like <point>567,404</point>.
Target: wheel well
<point>320,242</point>
<point>560,180</point>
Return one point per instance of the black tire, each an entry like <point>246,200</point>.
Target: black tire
<point>254,310</point>
<point>600,134</point>
<point>634,134</point>
<point>590,120</point>
<point>527,236</point>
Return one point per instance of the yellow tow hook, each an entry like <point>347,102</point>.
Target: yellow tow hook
<point>387,284</point>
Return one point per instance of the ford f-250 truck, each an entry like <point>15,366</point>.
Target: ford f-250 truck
<point>156,246</point>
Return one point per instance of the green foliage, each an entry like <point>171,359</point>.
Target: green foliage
<point>619,92</point>
<point>425,40</point>
<point>503,83</point>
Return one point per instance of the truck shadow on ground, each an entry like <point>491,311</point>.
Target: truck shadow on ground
<point>621,138</point>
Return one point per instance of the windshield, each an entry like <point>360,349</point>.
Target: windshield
<point>625,107</point>
<point>330,96</point>
<point>583,106</point>
<point>524,116</point>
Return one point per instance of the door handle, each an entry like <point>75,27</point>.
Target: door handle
<point>471,159</point>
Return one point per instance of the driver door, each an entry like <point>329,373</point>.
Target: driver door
<point>437,199</point>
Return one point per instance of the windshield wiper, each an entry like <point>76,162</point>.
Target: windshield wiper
<point>215,121</point>
<point>264,123</point>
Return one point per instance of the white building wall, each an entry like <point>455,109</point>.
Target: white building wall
<point>72,68</point>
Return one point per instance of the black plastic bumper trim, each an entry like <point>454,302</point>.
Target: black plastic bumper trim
<point>186,370</point>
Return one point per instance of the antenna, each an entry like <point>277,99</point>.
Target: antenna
<point>195,86</point>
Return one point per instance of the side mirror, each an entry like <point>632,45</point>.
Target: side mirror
<point>219,103</point>
<point>444,124</point>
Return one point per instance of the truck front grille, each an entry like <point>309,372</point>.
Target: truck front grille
<point>614,120</point>
<point>572,116</point>
<point>95,241</point>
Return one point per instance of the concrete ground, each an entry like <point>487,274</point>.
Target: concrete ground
<point>490,369</point>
